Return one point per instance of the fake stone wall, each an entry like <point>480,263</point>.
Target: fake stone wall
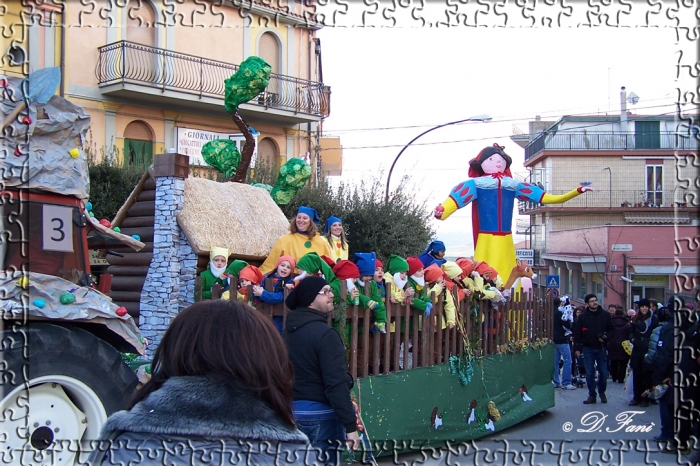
<point>169,286</point>
<point>427,407</point>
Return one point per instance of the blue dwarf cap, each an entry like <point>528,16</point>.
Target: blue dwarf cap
<point>435,246</point>
<point>366,262</point>
<point>311,212</point>
<point>331,220</point>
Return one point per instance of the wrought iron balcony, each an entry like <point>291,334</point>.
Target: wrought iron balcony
<point>610,141</point>
<point>618,199</point>
<point>127,62</point>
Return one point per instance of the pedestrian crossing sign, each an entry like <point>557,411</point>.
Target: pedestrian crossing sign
<point>552,281</point>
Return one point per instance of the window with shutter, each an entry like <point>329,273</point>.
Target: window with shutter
<point>267,151</point>
<point>647,134</point>
<point>269,50</point>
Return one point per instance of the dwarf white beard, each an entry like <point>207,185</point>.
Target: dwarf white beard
<point>398,282</point>
<point>361,283</point>
<point>216,271</point>
<point>351,284</point>
<point>420,281</point>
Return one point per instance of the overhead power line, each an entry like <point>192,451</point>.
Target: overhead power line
<point>505,119</point>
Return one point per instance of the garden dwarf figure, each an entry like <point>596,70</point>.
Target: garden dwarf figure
<point>435,283</point>
<point>396,280</point>
<point>250,275</point>
<point>215,274</point>
<point>232,271</point>
<point>434,254</point>
<point>379,278</point>
<point>366,264</point>
<point>416,280</point>
<point>282,277</point>
<point>492,191</point>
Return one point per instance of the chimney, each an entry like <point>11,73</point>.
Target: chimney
<point>537,118</point>
<point>623,110</point>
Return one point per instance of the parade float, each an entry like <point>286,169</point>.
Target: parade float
<point>420,386</point>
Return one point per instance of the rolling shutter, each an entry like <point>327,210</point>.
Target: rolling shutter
<point>139,131</point>
<point>268,50</point>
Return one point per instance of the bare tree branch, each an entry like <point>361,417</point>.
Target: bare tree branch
<point>606,277</point>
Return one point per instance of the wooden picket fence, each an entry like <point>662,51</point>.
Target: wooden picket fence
<point>481,330</point>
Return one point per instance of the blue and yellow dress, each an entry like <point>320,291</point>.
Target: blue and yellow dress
<point>493,198</point>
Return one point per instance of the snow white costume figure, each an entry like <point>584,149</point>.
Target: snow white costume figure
<point>492,191</point>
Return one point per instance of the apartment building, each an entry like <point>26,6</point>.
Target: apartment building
<point>636,234</point>
<point>151,73</point>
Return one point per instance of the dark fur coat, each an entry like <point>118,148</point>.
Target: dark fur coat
<point>194,420</point>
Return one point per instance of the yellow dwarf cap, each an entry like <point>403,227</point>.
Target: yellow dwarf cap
<point>218,252</point>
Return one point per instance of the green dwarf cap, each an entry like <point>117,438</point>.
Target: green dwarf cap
<point>236,266</point>
<point>397,264</point>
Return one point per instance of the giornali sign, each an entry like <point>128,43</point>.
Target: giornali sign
<point>190,142</point>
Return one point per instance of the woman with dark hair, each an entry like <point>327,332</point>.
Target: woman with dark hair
<point>643,323</point>
<point>303,238</point>
<point>492,192</point>
<point>221,388</point>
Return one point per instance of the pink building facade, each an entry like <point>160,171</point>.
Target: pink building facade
<point>657,259</point>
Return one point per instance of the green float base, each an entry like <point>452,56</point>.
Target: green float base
<point>398,408</point>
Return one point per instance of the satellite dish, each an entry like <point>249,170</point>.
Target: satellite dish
<point>633,98</point>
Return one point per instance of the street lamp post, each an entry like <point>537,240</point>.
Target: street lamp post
<point>484,118</point>
<point>609,184</point>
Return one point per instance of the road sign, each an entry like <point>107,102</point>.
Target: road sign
<point>552,281</point>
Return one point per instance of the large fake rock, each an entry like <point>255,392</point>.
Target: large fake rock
<point>44,149</point>
<point>242,218</point>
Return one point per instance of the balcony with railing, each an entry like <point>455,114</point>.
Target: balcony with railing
<point>619,200</point>
<point>563,141</point>
<point>138,71</point>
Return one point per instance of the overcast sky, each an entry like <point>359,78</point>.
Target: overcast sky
<point>414,78</point>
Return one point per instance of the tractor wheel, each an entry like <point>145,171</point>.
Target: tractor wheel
<point>60,383</point>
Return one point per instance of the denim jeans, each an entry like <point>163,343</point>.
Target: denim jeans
<point>327,435</point>
<point>666,414</point>
<point>591,357</point>
<point>562,351</point>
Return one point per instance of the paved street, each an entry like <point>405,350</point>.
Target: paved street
<point>570,433</point>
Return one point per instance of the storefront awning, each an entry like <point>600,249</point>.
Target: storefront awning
<point>666,269</point>
<point>657,217</point>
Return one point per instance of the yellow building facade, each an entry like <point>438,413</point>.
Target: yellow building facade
<point>151,73</point>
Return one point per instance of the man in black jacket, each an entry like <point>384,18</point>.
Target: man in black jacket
<point>591,332</point>
<point>322,405</point>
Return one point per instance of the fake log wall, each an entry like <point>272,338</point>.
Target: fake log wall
<point>129,272</point>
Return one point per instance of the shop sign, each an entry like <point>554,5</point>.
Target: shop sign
<point>526,255</point>
<point>621,247</point>
<point>651,280</point>
<point>190,142</point>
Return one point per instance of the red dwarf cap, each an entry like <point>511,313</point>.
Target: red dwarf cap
<point>346,269</point>
<point>432,273</point>
<point>289,259</point>
<point>251,273</point>
<point>483,268</point>
<point>467,265</point>
<point>414,265</point>
<point>378,264</point>
<point>329,261</point>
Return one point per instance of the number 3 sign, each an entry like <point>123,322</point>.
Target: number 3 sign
<point>57,228</point>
